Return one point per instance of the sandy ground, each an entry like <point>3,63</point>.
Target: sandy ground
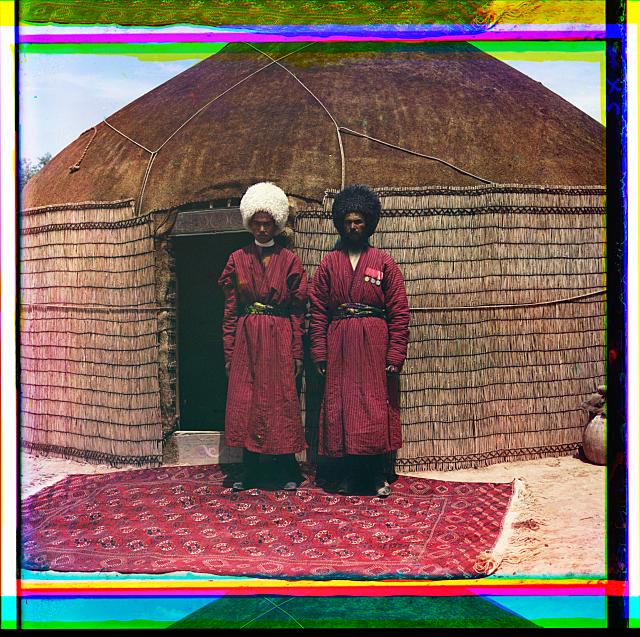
<point>559,529</point>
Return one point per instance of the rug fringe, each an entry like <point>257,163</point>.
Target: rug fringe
<point>518,537</point>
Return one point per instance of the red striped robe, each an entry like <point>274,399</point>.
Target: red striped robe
<point>360,413</point>
<point>263,409</point>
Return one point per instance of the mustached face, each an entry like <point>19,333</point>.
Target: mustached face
<point>354,227</point>
<point>262,227</point>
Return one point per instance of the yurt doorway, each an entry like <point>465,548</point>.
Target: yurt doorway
<point>202,383</point>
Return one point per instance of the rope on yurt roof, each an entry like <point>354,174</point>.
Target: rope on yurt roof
<point>413,152</point>
<point>147,172</point>
<point>76,166</point>
<point>339,129</point>
<point>317,99</point>
<point>229,89</point>
<point>153,153</point>
<point>133,141</point>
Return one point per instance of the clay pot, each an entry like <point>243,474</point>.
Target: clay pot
<point>594,441</point>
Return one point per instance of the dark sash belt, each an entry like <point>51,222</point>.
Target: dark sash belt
<point>264,308</point>
<point>357,310</point>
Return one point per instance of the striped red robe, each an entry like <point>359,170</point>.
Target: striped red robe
<point>360,413</point>
<point>263,409</point>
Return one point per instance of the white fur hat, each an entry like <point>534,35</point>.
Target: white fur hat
<point>265,197</point>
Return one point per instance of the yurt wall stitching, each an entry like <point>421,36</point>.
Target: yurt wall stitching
<point>506,286</point>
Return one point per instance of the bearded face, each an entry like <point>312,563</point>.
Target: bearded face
<point>354,229</point>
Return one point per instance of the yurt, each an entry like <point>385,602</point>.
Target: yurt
<point>493,194</point>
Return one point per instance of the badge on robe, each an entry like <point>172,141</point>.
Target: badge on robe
<point>373,276</point>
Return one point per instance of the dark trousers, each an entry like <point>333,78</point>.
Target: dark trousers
<point>270,471</point>
<point>362,474</point>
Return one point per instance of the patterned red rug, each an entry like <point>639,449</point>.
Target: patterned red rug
<point>185,519</point>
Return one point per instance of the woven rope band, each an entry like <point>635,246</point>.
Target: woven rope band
<point>265,308</point>
<point>358,310</point>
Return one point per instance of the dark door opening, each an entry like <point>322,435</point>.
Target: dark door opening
<point>202,383</point>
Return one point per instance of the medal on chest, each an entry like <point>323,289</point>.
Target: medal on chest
<point>373,276</point>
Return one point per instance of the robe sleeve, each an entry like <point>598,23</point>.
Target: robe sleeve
<point>319,310</point>
<point>227,282</point>
<point>297,286</point>
<point>398,316</point>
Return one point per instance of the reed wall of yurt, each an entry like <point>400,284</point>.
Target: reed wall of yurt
<point>507,337</point>
<point>89,333</point>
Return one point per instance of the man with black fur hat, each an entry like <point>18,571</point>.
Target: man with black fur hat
<point>359,334</point>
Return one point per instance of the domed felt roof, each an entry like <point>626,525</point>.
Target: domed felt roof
<point>237,118</point>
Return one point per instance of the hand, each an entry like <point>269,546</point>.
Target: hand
<point>392,369</point>
<point>297,367</point>
<point>227,368</point>
<point>322,368</point>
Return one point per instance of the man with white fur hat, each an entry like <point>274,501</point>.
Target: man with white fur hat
<point>265,290</point>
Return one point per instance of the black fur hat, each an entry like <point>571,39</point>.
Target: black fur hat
<point>358,198</point>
